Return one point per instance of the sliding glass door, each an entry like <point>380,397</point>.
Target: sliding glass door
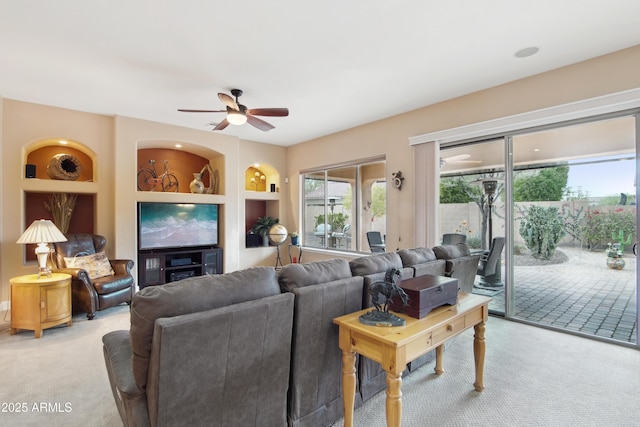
<point>564,199</point>
<point>574,223</point>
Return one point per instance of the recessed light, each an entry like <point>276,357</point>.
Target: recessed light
<point>178,145</point>
<point>63,142</point>
<point>527,51</point>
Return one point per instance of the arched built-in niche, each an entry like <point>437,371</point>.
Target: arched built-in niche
<point>261,177</point>
<point>43,153</point>
<point>41,192</point>
<point>183,160</point>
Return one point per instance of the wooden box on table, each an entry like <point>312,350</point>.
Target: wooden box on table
<point>426,293</point>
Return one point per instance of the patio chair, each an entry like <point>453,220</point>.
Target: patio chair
<point>376,244</point>
<point>490,266</point>
<point>344,234</point>
<point>453,238</point>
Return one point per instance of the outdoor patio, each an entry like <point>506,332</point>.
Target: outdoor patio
<point>581,295</point>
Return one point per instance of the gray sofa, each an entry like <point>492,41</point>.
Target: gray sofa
<point>323,290</point>
<point>252,348</point>
<point>205,351</point>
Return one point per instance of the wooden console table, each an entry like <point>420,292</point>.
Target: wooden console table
<point>394,347</point>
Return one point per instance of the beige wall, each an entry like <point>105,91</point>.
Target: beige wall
<point>113,143</point>
<point>23,126</point>
<point>597,77</point>
<point>115,140</point>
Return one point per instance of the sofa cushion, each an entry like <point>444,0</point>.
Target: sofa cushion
<point>294,276</point>
<point>190,296</point>
<point>411,257</point>
<point>372,264</point>
<point>451,251</point>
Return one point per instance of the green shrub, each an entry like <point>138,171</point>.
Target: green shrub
<point>474,242</point>
<point>600,224</point>
<point>542,229</point>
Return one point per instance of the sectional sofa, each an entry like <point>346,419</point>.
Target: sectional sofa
<point>256,346</point>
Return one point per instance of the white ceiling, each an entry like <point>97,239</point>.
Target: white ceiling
<point>335,64</point>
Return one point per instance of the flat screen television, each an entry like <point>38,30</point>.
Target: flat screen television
<point>176,225</point>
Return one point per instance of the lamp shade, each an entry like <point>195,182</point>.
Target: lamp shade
<point>42,231</point>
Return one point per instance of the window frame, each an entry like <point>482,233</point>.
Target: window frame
<point>350,240</point>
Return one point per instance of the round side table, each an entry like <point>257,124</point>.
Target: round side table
<point>38,303</point>
<point>298,257</point>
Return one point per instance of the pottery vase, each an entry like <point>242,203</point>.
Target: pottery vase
<point>197,186</point>
<point>615,263</point>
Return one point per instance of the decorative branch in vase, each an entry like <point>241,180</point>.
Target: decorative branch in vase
<point>61,206</point>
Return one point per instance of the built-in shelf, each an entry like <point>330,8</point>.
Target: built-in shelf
<point>257,195</point>
<point>56,186</point>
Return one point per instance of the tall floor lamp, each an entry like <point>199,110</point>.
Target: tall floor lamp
<point>490,186</point>
<point>41,232</point>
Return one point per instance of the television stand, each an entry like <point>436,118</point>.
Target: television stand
<point>157,267</point>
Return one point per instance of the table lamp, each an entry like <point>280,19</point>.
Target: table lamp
<point>42,231</point>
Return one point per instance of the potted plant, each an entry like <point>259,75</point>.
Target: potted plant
<point>262,226</point>
<point>295,238</point>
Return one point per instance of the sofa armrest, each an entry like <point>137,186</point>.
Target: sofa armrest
<point>130,400</point>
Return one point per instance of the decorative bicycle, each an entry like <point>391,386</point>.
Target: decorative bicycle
<point>148,178</point>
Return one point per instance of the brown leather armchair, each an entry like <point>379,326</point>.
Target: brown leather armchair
<point>91,295</point>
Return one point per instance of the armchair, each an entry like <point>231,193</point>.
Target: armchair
<point>91,293</point>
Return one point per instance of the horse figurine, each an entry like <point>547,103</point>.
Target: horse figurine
<point>382,292</point>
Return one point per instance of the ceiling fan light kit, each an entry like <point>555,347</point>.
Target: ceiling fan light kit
<point>236,118</point>
<point>238,114</point>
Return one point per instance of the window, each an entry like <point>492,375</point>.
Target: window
<point>343,203</point>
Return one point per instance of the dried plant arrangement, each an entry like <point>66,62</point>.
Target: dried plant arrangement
<point>61,206</point>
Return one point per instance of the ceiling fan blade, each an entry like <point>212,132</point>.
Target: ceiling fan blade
<point>223,124</point>
<point>201,111</point>
<point>258,123</point>
<point>229,101</point>
<point>272,112</point>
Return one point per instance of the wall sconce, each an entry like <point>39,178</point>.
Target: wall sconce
<point>258,178</point>
<point>42,231</point>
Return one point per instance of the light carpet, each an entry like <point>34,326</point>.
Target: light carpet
<point>533,377</point>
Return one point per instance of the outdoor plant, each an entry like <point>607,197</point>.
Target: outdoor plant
<point>573,221</point>
<point>542,229</point>
<point>464,228</point>
<point>337,221</point>
<point>600,224</point>
<point>620,240</point>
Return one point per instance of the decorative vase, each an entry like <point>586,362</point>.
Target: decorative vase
<point>197,186</point>
<point>615,263</point>
<point>295,240</point>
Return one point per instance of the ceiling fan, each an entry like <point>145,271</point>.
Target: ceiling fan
<point>459,159</point>
<point>238,114</point>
